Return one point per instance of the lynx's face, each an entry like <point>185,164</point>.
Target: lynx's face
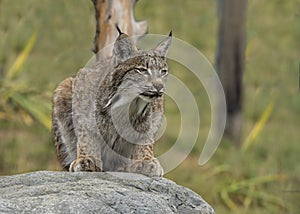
<point>140,73</point>
<point>148,78</point>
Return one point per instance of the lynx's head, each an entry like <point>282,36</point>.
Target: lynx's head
<point>141,73</point>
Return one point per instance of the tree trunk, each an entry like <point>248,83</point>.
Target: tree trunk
<point>108,14</point>
<point>230,61</point>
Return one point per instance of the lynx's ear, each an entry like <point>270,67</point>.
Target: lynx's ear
<point>124,48</point>
<point>163,46</point>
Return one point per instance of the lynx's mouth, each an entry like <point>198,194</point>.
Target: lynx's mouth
<point>149,96</point>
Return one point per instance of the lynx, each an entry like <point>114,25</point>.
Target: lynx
<point>107,116</point>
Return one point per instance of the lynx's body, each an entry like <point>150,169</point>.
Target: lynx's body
<point>106,117</point>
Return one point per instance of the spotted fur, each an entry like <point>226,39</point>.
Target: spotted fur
<point>106,117</point>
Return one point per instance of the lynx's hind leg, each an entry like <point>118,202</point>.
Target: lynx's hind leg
<point>62,124</point>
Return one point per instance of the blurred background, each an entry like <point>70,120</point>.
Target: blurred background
<point>43,42</point>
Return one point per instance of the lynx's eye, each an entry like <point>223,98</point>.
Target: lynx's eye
<point>143,71</point>
<point>163,72</point>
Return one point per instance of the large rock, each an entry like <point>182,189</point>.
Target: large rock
<point>107,192</point>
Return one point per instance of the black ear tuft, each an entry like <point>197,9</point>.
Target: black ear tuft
<point>124,48</point>
<point>171,33</point>
<point>162,48</point>
<point>119,30</point>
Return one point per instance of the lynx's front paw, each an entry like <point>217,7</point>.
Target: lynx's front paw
<point>85,163</point>
<point>151,168</point>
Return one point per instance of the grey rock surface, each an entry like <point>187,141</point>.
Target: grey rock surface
<point>106,192</point>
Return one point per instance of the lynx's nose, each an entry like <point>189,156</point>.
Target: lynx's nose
<point>158,87</point>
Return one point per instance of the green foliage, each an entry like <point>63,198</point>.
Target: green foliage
<point>258,128</point>
<point>263,177</point>
<point>18,99</point>
<point>250,190</point>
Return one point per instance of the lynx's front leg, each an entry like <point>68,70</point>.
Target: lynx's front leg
<point>85,127</point>
<point>86,163</point>
<point>143,162</point>
<point>88,150</point>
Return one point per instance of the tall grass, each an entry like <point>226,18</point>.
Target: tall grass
<point>258,127</point>
<point>19,100</point>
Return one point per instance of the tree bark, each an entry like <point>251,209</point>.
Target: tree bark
<point>108,14</point>
<point>230,61</point>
